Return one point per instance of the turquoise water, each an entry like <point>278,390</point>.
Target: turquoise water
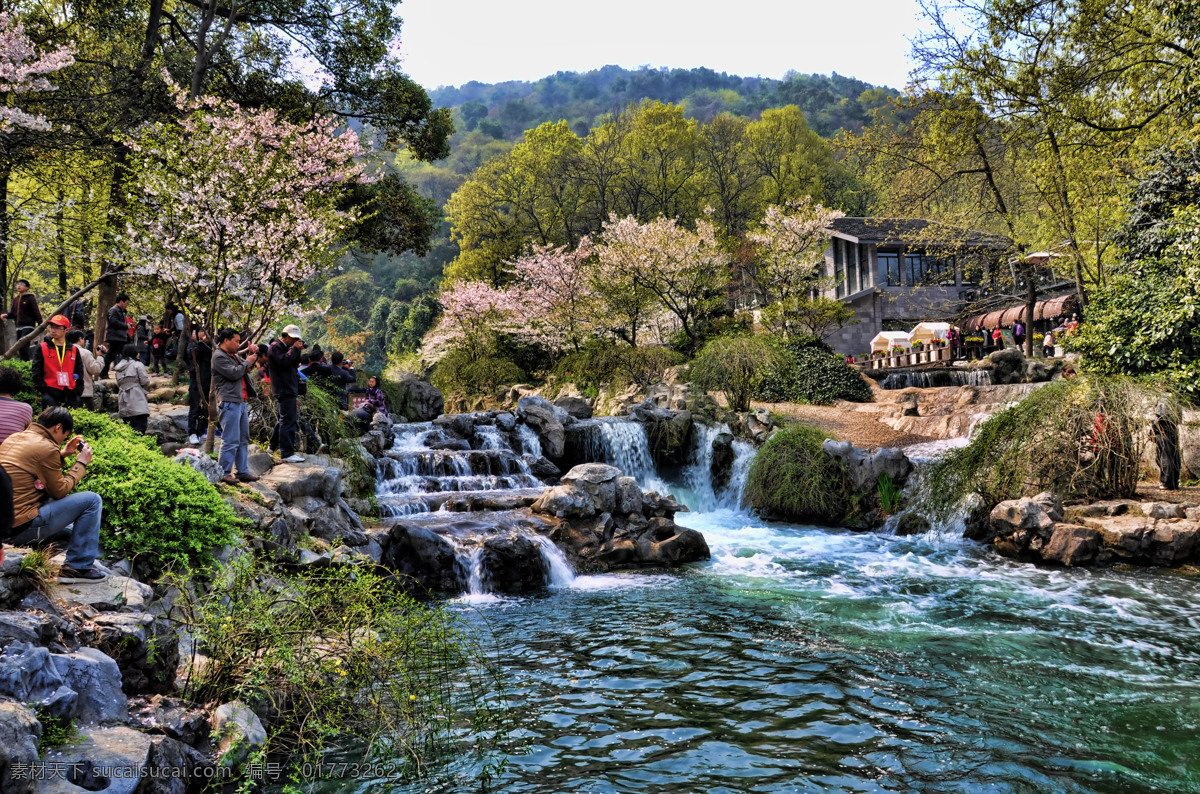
<point>806,659</point>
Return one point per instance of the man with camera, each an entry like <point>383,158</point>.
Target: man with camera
<point>230,373</point>
<point>283,361</point>
<point>44,509</point>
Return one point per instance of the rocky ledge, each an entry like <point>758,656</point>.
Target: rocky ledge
<point>599,519</point>
<point>1112,532</point>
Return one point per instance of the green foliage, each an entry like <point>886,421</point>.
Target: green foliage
<point>735,365</point>
<point>889,494</point>
<point>603,362</point>
<point>37,568</point>
<point>341,658</point>
<point>1144,320</point>
<point>459,372</point>
<point>1081,439</point>
<point>792,479</point>
<point>351,293</point>
<point>806,316</point>
<point>27,394</point>
<point>56,731</point>
<point>152,506</point>
<point>810,374</point>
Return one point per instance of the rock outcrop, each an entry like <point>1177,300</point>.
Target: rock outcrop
<point>865,467</point>
<point>1104,533</point>
<point>548,421</point>
<point>421,400</point>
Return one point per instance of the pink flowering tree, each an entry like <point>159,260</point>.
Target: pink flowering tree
<point>473,315</point>
<point>554,285</point>
<point>684,271</point>
<point>23,70</point>
<point>790,246</point>
<point>237,210</point>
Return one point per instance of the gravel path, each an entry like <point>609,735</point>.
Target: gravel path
<point>845,424</point>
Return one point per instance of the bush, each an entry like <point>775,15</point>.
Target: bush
<point>792,479</point>
<point>810,374</point>
<point>458,372</point>
<point>152,506</point>
<point>736,365</point>
<point>27,394</point>
<point>341,656</point>
<point>603,362</point>
<point>1081,439</point>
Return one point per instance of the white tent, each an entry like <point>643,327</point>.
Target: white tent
<point>884,340</point>
<point>927,332</point>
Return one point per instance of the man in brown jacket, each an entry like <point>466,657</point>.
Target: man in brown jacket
<point>44,509</point>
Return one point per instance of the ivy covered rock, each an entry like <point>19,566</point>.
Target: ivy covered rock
<point>793,479</point>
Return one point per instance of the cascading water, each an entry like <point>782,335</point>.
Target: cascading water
<point>530,443</point>
<point>625,445</point>
<point>700,492</point>
<point>936,378</point>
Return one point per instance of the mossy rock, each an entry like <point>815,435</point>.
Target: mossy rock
<point>793,479</point>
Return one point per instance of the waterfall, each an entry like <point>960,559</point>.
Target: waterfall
<point>530,443</point>
<point>489,437</point>
<point>700,494</point>
<point>936,378</point>
<point>561,572</point>
<point>624,444</point>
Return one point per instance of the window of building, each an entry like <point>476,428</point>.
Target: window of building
<point>889,268</point>
<point>927,270</point>
<point>864,266</point>
<point>839,269</point>
<point>851,259</point>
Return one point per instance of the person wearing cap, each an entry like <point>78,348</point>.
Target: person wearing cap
<point>283,361</point>
<point>57,366</point>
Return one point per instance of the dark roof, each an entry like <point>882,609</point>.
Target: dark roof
<point>915,230</point>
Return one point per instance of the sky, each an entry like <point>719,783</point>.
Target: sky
<point>450,42</point>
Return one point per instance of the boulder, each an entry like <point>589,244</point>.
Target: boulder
<point>513,564</point>
<point>669,432</point>
<point>1006,366</point>
<point>208,468</point>
<point>171,717</point>
<point>577,407</point>
<point>20,732</point>
<point>25,627</point>
<point>548,421</point>
<point>1024,514</point>
<point>506,421</point>
<point>721,467</point>
<point>100,759</point>
<point>421,401</point>
<point>543,468</point>
<point>292,482</point>
<point>686,545</point>
<point>97,679</point>
<point>865,467</point>
<point>565,501</point>
<point>174,768</point>
<point>237,730</point>
<point>599,481</point>
<point>146,650</point>
<point>114,594</point>
<point>424,558</point>
<point>13,586</point>
<point>628,496</point>
<point>28,675</point>
<point>1071,545</point>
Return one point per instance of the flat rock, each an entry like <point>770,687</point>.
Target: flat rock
<point>116,593</point>
<point>100,759</point>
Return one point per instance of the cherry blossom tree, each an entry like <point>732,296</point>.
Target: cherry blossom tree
<point>236,210</point>
<point>790,244</point>
<point>683,270</point>
<point>22,71</point>
<point>473,314</point>
<point>554,285</point>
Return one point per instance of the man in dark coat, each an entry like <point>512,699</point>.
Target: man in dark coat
<point>1165,432</point>
<point>116,333</point>
<point>24,313</point>
<point>199,361</point>
<point>283,360</point>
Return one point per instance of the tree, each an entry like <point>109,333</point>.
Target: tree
<point>236,210</point>
<point>735,366</point>
<point>685,270</point>
<point>556,288</point>
<point>351,293</point>
<point>790,248</point>
<point>474,314</point>
<point>807,316</point>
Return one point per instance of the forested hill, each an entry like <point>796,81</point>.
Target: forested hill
<point>506,110</point>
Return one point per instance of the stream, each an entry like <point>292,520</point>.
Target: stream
<point>810,659</point>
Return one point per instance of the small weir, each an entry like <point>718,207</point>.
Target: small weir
<point>936,378</point>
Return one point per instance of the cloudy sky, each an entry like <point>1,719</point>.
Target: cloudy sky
<point>449,42</point>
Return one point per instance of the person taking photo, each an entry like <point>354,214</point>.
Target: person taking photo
<point>283,362</point>
<point>230,373</point>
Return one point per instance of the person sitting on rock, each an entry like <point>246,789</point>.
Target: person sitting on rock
<point>132,382</point>
<point>375,396</point>
<point>44,509</point>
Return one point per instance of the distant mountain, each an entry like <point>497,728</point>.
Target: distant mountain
<point>505,110</point>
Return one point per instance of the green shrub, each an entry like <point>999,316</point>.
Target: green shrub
<point>152,506</point>
<point>341,658</point>
<point>1081,439</point>
<point>27,394</point>
<point>810,374</point>
<point>603,362</point>
<point>735,365</point>
<point>458,372</point>
<point>792,479</point>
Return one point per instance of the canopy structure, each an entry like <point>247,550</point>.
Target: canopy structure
<point>1042,310</point>
<point>885,340</point>
<point>927,332</point>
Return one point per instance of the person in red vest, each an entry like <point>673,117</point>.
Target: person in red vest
<point>58,367</point>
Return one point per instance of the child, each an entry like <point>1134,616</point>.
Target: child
<point>158,349</point>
